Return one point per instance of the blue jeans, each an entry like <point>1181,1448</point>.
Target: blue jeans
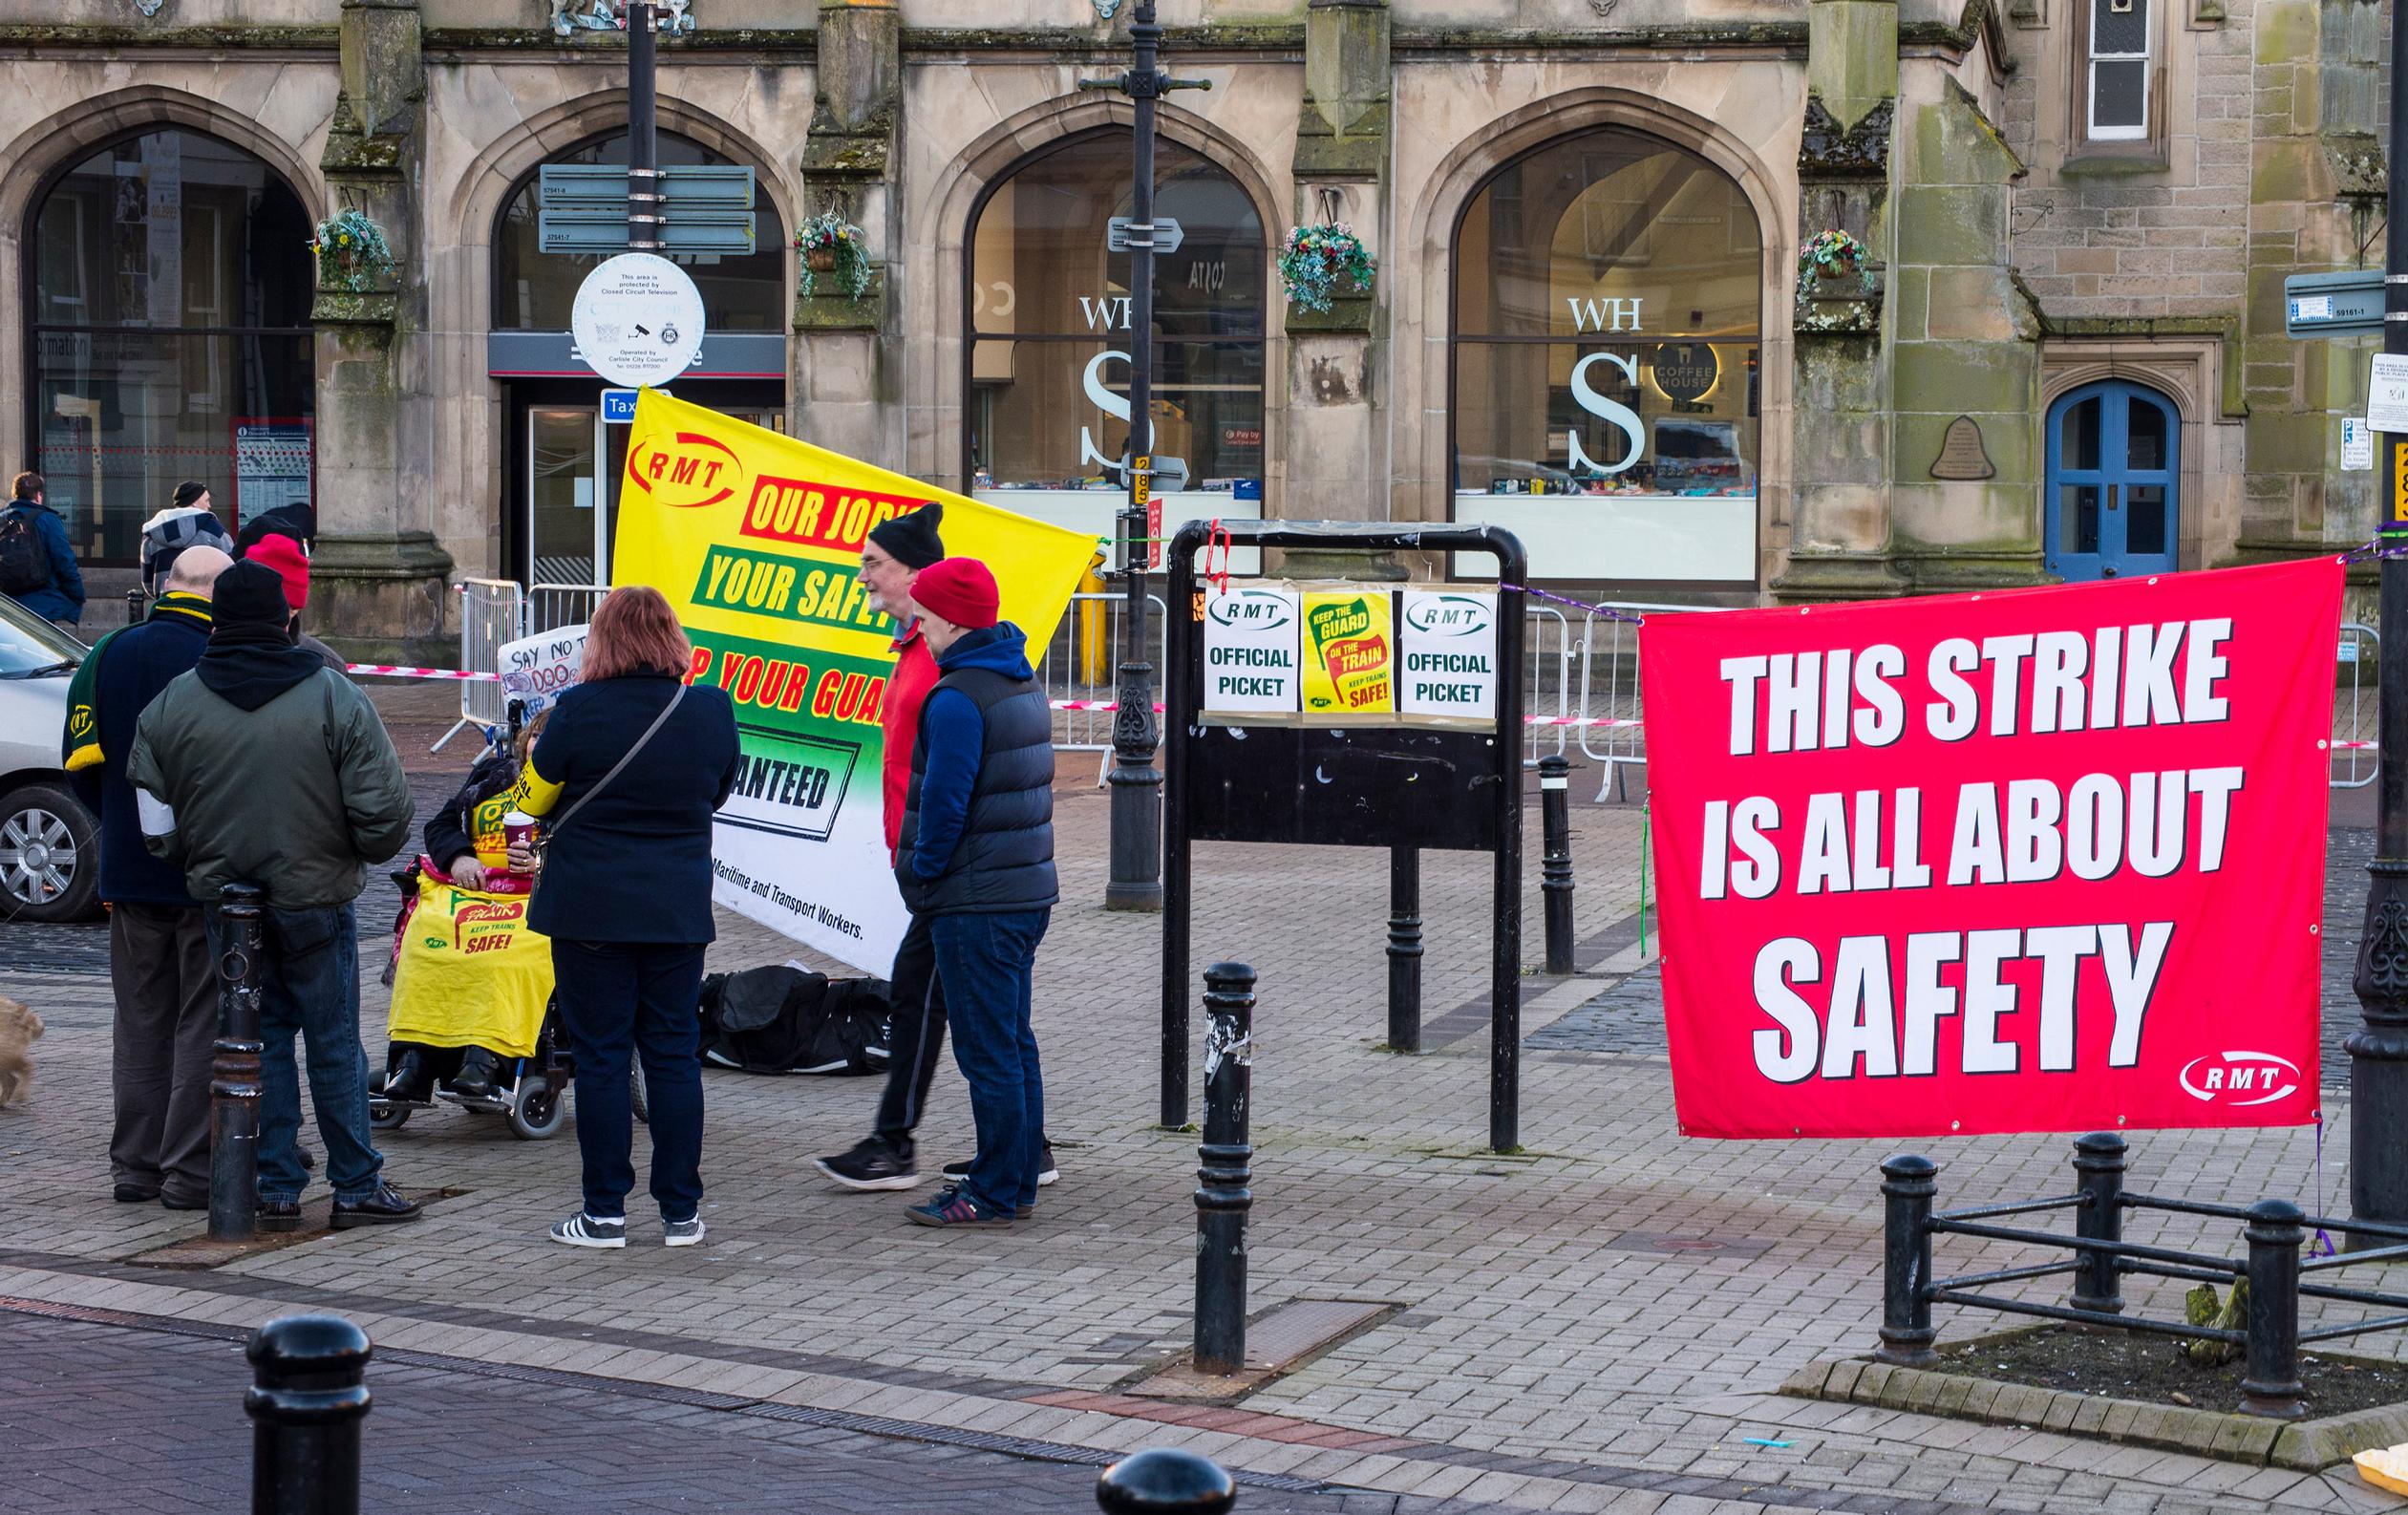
<point>641,998</point>
<point>988,964</point>
<point>308,972</point>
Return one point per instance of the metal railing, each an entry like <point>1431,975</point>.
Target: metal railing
<point>2353,707</point>
<point>1549,692</point>
<point>492,611</point>
<point>1082,665</point>
<point>2273,1229</point>
<point>549,607</point>
<point>1611,700</point>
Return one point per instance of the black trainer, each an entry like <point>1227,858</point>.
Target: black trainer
<point>136,1194</point>
<point>873,1163</point>
<point>1046,1171</point>
<point>386,1207</point>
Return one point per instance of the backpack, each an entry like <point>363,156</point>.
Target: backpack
<point>25,558</point>
<point>788,1020</point>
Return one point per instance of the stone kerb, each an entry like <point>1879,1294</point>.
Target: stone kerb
<point>2307,1446</point>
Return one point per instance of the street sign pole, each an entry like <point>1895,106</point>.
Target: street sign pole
<point>2378,1050</point>
<point>1136,882</point>
<point>644,190</point>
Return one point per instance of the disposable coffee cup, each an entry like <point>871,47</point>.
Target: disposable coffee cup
<point>518,826</point>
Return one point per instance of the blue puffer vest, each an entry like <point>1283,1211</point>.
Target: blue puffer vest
<point>1005,858</point>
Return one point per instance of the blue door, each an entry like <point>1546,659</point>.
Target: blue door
<point>2114,458</point>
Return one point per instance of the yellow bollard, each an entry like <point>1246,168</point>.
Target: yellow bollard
<point>1091,627</point>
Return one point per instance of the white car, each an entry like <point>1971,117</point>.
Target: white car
<point>50,844</point>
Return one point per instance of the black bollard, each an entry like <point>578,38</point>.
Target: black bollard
<point>1555,885</point>
<point>1222,1195</point>
<point>234,1073</point>
<point>138,604</point>
<point>1404,949</point>
<point>306,1403</point>
<point>1909,1183</point>
<point>2270,1385</point>
<point>2099,1165</point>
<point>1165,1481</point>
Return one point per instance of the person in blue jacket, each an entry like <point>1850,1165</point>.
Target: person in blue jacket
<point>60,596</point>
<point>164,1036</point>
<point>626,774</point>
<point>976,858</point>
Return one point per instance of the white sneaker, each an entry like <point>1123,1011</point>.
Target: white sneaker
<point>683,1233</point>
<point>581,1230</point>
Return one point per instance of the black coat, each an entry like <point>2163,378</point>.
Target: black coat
<point>635,865</point>
<point>135,664</point>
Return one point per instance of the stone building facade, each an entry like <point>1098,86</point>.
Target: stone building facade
<point>2061,354</point>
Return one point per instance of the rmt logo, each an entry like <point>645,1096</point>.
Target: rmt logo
<point>2239,1078</point>
<point>1448,615</point>
<point>1264,612</point>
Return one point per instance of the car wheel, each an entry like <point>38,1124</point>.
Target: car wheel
<point>50,855</point>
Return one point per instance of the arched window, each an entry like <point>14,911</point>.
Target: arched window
<point>1047,317</point>
<point>170,278</point>
<point>1607,297</point>
<point>533,290</point>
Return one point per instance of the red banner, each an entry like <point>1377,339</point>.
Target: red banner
<point>2050,860</point>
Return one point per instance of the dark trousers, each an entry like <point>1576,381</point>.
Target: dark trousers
<point>634,998</point>
<point>160,1048</point>
<point>989,965</point>
<point>915,1000</point>
<point>309,975</point>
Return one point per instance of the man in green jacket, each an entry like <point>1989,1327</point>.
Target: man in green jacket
<point>263,766</point>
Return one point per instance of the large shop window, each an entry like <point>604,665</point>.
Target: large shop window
<point>171,283</point>
<point>1047,341</point>
<point>1607,297</point>
<point>533,289</point>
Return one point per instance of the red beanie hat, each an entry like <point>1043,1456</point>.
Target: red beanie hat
<point>958,590</point>
<point>283,555</point>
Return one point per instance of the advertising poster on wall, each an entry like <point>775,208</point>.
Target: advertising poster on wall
<point>275,462</point>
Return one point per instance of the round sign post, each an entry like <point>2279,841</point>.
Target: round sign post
<point>637,320</point>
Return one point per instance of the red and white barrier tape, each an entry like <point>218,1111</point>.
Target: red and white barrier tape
<point>397,670</point>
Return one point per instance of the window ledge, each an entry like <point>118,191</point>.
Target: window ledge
<point>2099,161</point>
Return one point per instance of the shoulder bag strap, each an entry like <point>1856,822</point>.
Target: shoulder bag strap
<point>658,722</point>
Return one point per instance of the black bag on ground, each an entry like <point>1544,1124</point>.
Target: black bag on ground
<point>783,1020</point>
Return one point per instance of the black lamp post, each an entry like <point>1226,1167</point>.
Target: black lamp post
<point>644,176</point>
<point>1136,883</point>
<point>2378,1050</point>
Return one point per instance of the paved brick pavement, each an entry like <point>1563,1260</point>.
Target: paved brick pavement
<point>110,1419</point>
<point>1566,1340</point>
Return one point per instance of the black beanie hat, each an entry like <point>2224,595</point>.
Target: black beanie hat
<point>189,492</point>
<point>249,596</point>
<point>912,540</point>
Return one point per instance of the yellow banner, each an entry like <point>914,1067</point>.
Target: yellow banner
<point>756,538</point>
<point>471,972</point>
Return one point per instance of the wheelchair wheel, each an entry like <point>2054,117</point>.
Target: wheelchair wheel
<point>538,1113</point>
<point>383,1114</point>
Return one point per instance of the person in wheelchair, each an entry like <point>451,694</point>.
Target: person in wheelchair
<point>464,840</point>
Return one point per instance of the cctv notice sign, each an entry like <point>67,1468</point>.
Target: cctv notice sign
<point>2043,861</point>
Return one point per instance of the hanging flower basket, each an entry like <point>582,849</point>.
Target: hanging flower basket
<point>1831,259</point>
<point>353,253</point>
<point>1316,260</point>
<point>831,244</point>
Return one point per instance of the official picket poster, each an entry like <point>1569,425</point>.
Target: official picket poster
<point>755,538</point>
<point>2050,860</point>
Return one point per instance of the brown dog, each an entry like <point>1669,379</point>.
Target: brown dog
<point>19,1030</point>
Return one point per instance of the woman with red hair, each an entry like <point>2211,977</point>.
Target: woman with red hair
<point>625,777</point>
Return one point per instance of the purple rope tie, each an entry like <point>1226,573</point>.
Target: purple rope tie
<point>1606,611</point>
